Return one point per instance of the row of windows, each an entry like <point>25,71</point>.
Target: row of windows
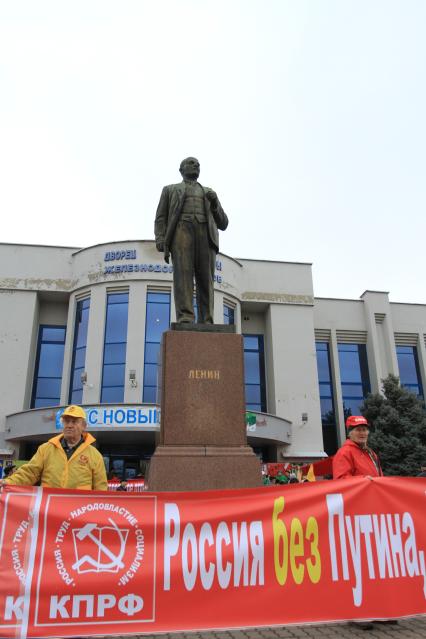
<point>353,365</point>
<point>51,342</point>
<point>355,382</point>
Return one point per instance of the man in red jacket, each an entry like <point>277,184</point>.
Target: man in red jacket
<point>355,458</point>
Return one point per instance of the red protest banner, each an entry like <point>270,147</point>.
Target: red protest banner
<point>15,524</point>
<point>117,563</point>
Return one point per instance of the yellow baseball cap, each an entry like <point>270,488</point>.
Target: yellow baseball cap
<point>74,411</point>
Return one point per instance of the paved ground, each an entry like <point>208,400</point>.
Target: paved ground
<point>406,629</point>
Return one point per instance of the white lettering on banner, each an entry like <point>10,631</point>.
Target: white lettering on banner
<point>13,606</point>
<point>104,506</point>
<point>105,602</point>
<point>20,531</point>
<point>240,553</point>
<point>61,532</point>
<point>135,565</point>
<point>382,545</point>
<point>61,568</point>
<point>130,605</point>
<point>378,536</point>
<point>244,539</point>
<point>17,550</point>
<point>87,600</point>
<point>207,575</point>
<point>84,606</point>
<point>17,566</point>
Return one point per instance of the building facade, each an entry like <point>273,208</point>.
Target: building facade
<point>84,326</point>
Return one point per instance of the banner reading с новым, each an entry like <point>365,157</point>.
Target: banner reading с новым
<point>75,562</point>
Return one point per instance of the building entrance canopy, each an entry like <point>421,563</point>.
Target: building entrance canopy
<point>42,423</point>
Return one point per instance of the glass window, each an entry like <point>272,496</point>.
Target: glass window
<point>51,360</point>
<point>78,361</point>
<point>114,362</point>
<point>150,394</point>
<point>114,353</point>
<point>150,375</point>
<point>113,394</point>
<point>251,367</point>
<point>53,334</point>
<point>158,298</point>
<point>254,373</point>
<point>253,394</point>
<point>251,342</point>
<point>116,325</point>
<point>354,377</point>
<point>48,368</point>
<point>228,314</point>
<point>152,351</point>
<point>409,372</point>
<point>113,375</point>
<point>157,321</point>
<point>48,387</point>
<point>328,418</point>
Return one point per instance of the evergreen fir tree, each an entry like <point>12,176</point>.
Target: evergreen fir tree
<point>399,428</point>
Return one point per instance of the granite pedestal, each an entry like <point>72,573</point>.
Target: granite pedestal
<point>203,442</point>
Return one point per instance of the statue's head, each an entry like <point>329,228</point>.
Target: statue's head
<point>190,168</point>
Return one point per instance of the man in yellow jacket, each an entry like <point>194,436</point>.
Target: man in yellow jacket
<point>65,461</point>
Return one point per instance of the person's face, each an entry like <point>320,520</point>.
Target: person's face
<point>73,428</point>
<point>359,435</point>
<point>190,168</point>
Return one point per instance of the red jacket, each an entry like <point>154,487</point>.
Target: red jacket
<point>351,460</point>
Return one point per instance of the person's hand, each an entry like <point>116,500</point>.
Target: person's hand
<point>212,197</point>
<point>160,246</point>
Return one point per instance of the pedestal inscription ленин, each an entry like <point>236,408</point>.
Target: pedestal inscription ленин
<point>203,442</point>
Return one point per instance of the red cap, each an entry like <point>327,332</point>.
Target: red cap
<point>356,420</point>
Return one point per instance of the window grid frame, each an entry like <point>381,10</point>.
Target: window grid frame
<point>329,428</point>
<point>104,388</point>
<point>71,399</point>
<point>408,385</point>
<point>147,388</point>
<point>36,377</point>
<point>363,384</point>
<point>228,309</point>
<point>260,350</point>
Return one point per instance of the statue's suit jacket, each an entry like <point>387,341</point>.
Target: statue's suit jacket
<point>169,210</point>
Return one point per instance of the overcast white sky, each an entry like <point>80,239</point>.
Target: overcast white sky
<point>308,118</point>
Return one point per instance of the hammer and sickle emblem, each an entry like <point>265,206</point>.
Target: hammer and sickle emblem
<point>115,562</point>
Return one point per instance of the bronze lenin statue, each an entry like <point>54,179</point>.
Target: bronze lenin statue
<point>186,226</point>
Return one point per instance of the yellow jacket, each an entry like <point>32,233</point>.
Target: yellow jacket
<point>84,470</point>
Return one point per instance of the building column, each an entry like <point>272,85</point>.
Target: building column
<point>218,308</point>
<point>381,350</point>
<point>337,388</point>
<point>69,341</point>
<point>295,376</point>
